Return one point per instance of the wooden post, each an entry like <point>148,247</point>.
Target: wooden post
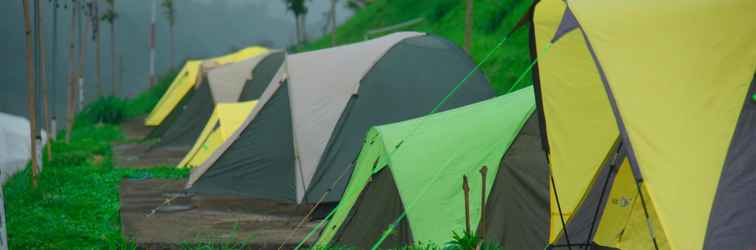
<point>43,76</point>
<point>71,72</point>
<point>31,92</point>
<point>468,27</point>
<point>466,189</point>
<point>96,32</point>
<point>333,22</point>
<point>483,175</point>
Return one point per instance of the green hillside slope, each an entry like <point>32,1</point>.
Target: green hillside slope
<point>493,19</point>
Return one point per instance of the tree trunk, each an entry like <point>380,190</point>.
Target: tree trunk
<point>113,66</point>
<point>30,92</point>
<point>52,134</point>
<point>469,27</point>
<point>82,59</point>
<point>333,22</point>
<point>71,72</point>
<point>98,63</point>
<point>43,77</point>
<point>299,29</point>
<point>152,43</point>
<point>304,27</point>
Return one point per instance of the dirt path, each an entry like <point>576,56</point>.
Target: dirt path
<point>246,223</point>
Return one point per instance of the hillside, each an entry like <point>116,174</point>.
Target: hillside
<point>493,19</point>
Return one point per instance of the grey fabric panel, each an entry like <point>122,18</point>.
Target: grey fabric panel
<point>260,163</point>
<point>169,120</point>
<point>732,223</point>
<point>189,124</point>
<point>406,83</point>
<point>584,221</point>
<point>227,81</point>
<point>262,76</point>
<point>613,103</point>
<point>568,23</point>
<point>377,207</point>
<point>536,75</point>
<point>321,83</point>
<point>518,206</point>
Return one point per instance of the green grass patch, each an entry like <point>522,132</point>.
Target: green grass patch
<point>76,204</point>
<point>493,20</point>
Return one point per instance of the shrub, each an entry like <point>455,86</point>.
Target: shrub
<point>109,110</point>
<point>441,9</point>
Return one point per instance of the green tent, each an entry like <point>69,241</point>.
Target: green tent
<point>416,167</point>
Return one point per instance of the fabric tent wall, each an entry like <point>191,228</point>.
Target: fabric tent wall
<point>427,157</point>
<point>226,118</point>
<point>660,130</point>
<point>398,87</point>
<point>262,74</point>
<point>189,123</point>
<point>188,77</point>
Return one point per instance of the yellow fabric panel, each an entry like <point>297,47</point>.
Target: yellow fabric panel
<point>226,118</point>
<point>208,131</point>
<point>623,224</point>
<point>184,81</point>
<point>238,56</point>
<point>679,72</point>
<point>232,115</point>
<point>579,122</point>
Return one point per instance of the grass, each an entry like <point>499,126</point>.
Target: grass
<point>493,20</point>
<point>76,204</point>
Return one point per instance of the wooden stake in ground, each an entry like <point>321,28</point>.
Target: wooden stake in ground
<point>43,75</point>
<point>30,92</point>
<point>468,27</point>
<point>483,176</point>
<point>466,189</point>
<point>71,72</point>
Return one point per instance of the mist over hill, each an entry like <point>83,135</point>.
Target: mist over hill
<point>204,28</point>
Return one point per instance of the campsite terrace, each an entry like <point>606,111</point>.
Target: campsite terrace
<point>630,127</point>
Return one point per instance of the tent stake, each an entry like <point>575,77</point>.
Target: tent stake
<point>466,189</point>
<point>482,226</point>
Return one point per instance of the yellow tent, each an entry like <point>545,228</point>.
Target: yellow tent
<point>226,118</point>
<point>189,77</point>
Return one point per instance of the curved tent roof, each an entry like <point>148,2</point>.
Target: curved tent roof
<point>415,167</point>
<point>189,77</point>
<point>309,124</point>
<point>239,81</point>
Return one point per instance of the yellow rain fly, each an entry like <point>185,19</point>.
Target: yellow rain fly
<point>226,118</point>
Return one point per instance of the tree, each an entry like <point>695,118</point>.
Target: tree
<point>43,73</point>
<point>468,26</point>
<point>299,8</point>
<point>71,72</point>
<point>333,22</point>
<point>30,91</point>
<point>170,14</point>
<point>110,17</point>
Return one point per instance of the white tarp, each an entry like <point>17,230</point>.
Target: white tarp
<point>15,145</point>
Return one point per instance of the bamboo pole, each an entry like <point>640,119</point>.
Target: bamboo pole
<point>43,75</point>
<point>31,92</point>
<point>71,72</point>
<point>468,26</point>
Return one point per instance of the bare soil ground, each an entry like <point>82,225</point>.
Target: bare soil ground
<point>134,129</point>
<point>139,155</point>
<point>242,222</point>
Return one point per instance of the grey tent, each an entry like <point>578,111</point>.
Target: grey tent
<point>235,82</point>
<point>300,141</point>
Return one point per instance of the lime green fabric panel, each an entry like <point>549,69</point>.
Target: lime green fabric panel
<point>370,157</point>
<point>438,150</point>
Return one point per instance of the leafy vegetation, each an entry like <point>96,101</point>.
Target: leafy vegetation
<point>493,19</point>
<point>76,205</point>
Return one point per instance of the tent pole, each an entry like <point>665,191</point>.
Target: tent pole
<point>645,213</point>
<point>561,214</point>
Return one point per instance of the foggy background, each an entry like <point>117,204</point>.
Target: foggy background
<point>204,28</point>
